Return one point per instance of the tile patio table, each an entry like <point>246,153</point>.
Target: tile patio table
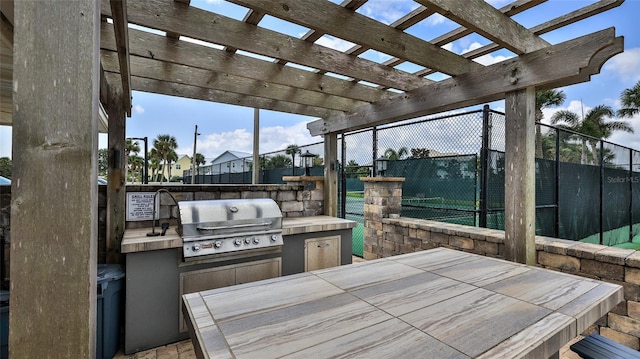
<point>439,303</point>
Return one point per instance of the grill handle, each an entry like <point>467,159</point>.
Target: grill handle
<point>213,228</point>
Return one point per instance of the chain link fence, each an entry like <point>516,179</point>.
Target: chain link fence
<point>273,166</point>
<point>454,167</point>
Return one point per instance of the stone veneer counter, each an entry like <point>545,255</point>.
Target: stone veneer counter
<point>136,240</point>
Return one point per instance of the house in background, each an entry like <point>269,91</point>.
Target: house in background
<point>177,168</point>
<point>228,162</point>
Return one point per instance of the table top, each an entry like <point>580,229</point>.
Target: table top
<point>440,302</point>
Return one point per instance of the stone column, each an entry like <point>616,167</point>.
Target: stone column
<point>382,199</point>
<point>312,195</point>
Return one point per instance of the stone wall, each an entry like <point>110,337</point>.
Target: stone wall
<point>609,264</point>
<point>301,196</point>
<point>388,234</point>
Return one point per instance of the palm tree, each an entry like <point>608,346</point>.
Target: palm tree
<point>593,125</point>
<point>630,99</point>
<point>136,163</point>
<point>199,161</point>
<point>392,155</point>
<point>278,161</point>
<point>165,146</point>
<point>292,150</point>
<point>545,99</point>
<point>154,162</point>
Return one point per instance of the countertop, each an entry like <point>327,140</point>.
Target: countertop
<point>438,303</point>
<point>136,240</point>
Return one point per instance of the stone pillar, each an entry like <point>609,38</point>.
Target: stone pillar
<point>382,199</point>
<point>520,177</point>
<point>55,193</point>
<point>312,195</point>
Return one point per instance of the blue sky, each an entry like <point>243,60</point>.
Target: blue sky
<point>226,127</point>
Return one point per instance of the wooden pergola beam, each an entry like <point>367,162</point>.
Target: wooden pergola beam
<point>480,17</point>
<point>359,29</point>
<point>120,26</point>
<point>216,29</point>
<point>152,46</point>
<point>204,94</point>
<point>163,71</point>
<point>547,67</point>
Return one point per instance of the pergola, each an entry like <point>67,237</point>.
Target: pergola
<point>60,59</point>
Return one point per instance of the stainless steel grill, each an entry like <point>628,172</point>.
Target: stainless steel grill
<point>227,226</point>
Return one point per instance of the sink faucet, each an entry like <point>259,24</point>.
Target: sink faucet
<point>165,226</point>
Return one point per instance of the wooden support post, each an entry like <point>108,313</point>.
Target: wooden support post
<point>54,221</point>
<point>330,174</point>
<point>116,193</point>
<point>520,181</point>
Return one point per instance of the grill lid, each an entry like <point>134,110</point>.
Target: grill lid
<point>234,217</point>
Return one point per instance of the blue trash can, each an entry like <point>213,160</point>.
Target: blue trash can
<point>110,288</point>
<point>4,324</point>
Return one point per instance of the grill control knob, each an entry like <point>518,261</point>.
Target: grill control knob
<point>237,242</point>
<point>274,238</point>
<point>247,240</point>
<point>195,247</point>
<point>256,240</point>
<point>217,244</point>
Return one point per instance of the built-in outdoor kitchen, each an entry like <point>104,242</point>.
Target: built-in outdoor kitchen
<point>207,237</point>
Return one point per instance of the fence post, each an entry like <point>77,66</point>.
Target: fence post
<point>343,179</point>
<point>484,167</point>
<point>556,229</point>
<point>375,151</point>
<point>601,191</point>
<point>631,195</point>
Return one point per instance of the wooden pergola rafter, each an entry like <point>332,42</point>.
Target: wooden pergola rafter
<point>366,93</point>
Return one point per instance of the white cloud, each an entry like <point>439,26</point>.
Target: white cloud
<point>271,139</point>
<point>574,106</point>
<point>626,65</point>
<point>487,59</point>
<point>138,109</point>
<point>334,43</point>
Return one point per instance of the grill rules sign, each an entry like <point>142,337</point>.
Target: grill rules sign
<point>140,206</point>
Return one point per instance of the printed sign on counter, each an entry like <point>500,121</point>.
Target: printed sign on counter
<point>140,206</point>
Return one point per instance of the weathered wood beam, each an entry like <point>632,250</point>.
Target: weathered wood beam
<point>330,175</point>
<point>120,25</point>
<point>214,28</point>
<point>547,67</point>
<point>163,71</point>
<point>351,26</point>
<point>54,217</point>
<point>252,17</point>
<point>554,24</point>
<point>116,193</point>
<point>175,35</point>
<point>6,85</point>
<point>479,16</point>
<point>6,32</point>
<point>152,46</point>
<point>204,94</point>
<point>520,177</point>
<point>6,70</point>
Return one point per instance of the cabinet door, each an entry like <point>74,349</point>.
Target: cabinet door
<point>259,270</point>
<point>199,280</point>
<point>322,252</point>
